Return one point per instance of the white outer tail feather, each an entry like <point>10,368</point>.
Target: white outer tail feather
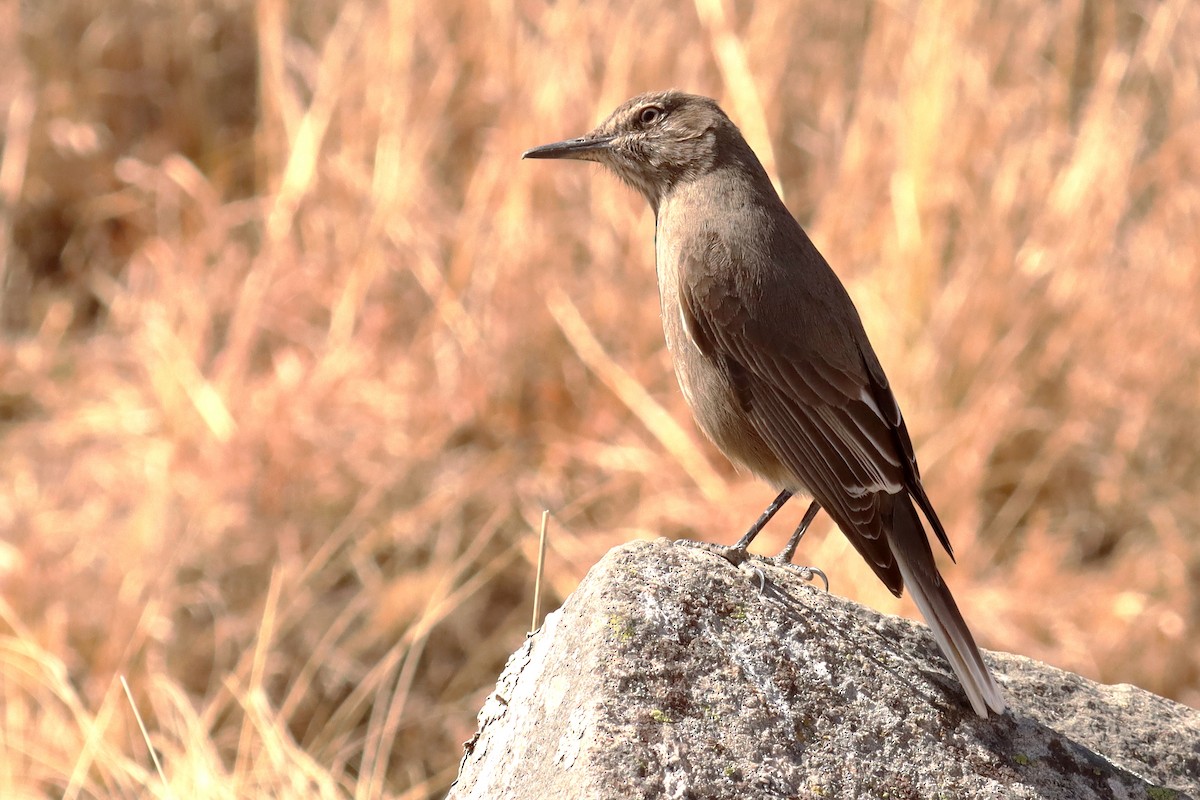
<point>952,635</point>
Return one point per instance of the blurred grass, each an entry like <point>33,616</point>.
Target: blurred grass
<point>296,350</point>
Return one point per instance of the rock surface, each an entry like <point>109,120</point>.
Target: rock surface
<point>669,673</point>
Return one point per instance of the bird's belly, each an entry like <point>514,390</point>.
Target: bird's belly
<point>717,412</point>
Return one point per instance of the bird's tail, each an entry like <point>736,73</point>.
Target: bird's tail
<point>915,559</point>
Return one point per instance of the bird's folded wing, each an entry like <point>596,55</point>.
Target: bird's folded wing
<point>836,445</point>
<point>834,425</point>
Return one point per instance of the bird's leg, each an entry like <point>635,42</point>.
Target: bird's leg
<point>743,544</point>
<point>789,549</point>
<point>737,553</point>
<point>784,559</point>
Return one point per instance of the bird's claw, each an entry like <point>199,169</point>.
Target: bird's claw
<point>784,561</point>
<point>808,573</point>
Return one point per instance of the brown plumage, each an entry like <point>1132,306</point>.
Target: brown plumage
<point>771,353</point>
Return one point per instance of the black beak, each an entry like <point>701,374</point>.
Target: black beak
<point>586,148</point>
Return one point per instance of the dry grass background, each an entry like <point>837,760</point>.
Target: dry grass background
<point>296,350</point>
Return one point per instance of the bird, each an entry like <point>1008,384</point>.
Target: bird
<point>771,353</point>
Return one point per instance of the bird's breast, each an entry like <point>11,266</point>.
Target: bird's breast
<point>706,382</point>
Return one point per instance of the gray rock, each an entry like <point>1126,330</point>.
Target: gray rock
<point>669,673</point>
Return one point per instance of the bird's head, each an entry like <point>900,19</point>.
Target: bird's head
<point>653,142</point>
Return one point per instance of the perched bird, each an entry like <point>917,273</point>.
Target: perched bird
<point>771,354</point>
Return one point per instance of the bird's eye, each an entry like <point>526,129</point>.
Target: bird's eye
<point>650,115</point>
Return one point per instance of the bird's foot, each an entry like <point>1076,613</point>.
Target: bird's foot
<point>741,558</point>
<point>783,561</point>
<point>732,553</point>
